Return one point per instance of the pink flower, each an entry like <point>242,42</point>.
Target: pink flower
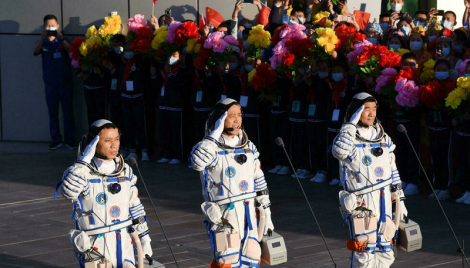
<point>213,39</point>
<point>389,71</point>
<point>231,40</point>
<point>280,48</point>
<point>461,68</point>
<point>358,49</point>
<point>220,46</point>
<point>296,30</point>
<point>407,93</point>
<point>136,22</point>
<point>75,64</point>
<point>275,60</point>
<point>383,79</point>
<point>170,37</point>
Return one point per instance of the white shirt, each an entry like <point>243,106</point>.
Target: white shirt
<point>106,167</point>
<point>232,142</point>
<point>367,133</point>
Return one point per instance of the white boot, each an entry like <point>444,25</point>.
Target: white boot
<point>285,170</point>
<point>145,156</point>
<point>275,170</point>
<point>163,160</point>
<point>443,195</point>
<point>432,196</point>
<point>335,181</point>
<point>464,197</point>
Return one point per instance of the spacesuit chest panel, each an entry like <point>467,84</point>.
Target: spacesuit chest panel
<point>368,165</point>
<point>233,176</point>
<point>107,202</point>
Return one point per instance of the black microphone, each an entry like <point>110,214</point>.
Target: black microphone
<point>402,129</point>
<point>132,161</point>
<point>280,142</point>
<point>230,129</point>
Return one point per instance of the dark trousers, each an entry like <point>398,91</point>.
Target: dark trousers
<point>440,142</point>
<point>171,134</point>
<point>299,145</point>
<point>251,125</point>
<point>56,94</point>
<point>407,163</point>
<point>333,163</point>
<point>133,111</point>
<point>462,153</point>
<point>279,127</point>
<point>318,147</point>
<point>200,118</point>
<point>96,104</point>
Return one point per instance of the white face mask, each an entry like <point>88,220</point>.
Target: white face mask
<point>395,47</point>
<point>442,75</point>
<point>416,45</point>
<point>396,7</point>
<point>301,20</point>
<point>291,22</point>
<point>446,51</point>
<point>405,30</point>
<point>322,74</point>
<point>432,38</point>
<point>447,24</point>
<point>51,28</point>
<point>128,55</point>
<point>337,76</point>
<point>172,60</point>
<point>119,50</point>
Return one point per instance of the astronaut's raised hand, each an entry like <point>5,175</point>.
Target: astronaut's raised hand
<point>357,115</point>
<point>219,127</point>
<point>146,246</point>
<point>90,150</point>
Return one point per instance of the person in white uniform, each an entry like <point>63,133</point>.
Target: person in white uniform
<point>371,180</point>
<point>106,207</point>
<point>233,185</point>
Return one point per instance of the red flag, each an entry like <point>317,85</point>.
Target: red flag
<point>155,1</point>
<point>362,18</point>
<point>263,16</point>
<point>202,22</point>
<point>214,17</point>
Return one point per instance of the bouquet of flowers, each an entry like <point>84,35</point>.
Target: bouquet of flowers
<point>372,60</point>
<point>407,93</point>
<point>159,42</point>
<point>259,39</point>
<point>212,49</point>
<point>398,87</point>
<point>433,94</point>
<point>141,43</point>
<point>321,18</point>
<point>263,79</point>
<point>134,24</point>
<point>348,37</point>
<point>459,97</point>
<point>74,51</point>
<point>427,75</point>
<point>93,49</point>
<point>325,43</point>
<point>111,26</point>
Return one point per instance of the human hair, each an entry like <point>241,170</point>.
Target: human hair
<point>460,35</point>
<point>339,63</point>
<point>421,11</point>
<point>443,61</point>
<point>409,56</point>
<point>49,17</point>
<point>453,13</point>
<point>297,10</point>
<point>118,38</point>
<point>384,15</point>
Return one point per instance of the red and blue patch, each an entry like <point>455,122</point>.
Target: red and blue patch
<point>115,211</point>
<point>243,186</point>
<point>379,171</point>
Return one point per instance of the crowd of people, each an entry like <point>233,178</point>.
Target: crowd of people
<point>294,72</point>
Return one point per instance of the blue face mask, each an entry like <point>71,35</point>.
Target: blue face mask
<point>304,71</point>
<point>446,51</point>
<point>291,22</point>
<point>447,24</point>
<point>232,66</point>
<point>322,74</point>
<point>405,30</point>
<point>416,45</point>
<point>337,77</point>
<point>373,40</point>
<point>128,55</point>
<point>301,20</point>
<point>442,75</point>
<point>173,60</point>
<point>249,68</point>
<point>395,47</point>
<point>384,26</point>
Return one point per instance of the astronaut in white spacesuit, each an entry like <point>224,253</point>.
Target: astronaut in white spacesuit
<point>233,184</point>
<point>106,207</point>
<point>370,179</point>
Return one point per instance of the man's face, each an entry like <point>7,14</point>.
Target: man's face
<point>299,14</point>
<point>294,19</point>
<point>369,113</point>
<point>409,63</point>
<point>176,55</point>
<point>109,143</point>
<point>449,17</point>
<point>421,18</point>
<point>51,23</point>
<point>233,120</point>
<point>416,38</point>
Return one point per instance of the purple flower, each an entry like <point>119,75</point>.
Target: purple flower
<point>358,49</point>
<point>231,40</point>
<point>170,37</point>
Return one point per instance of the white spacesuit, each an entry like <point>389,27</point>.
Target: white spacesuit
<point>233,185</point>
<point>106,207</point>
<point>370,179</point>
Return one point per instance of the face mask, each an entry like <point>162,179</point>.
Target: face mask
<point>373,40</point>
<point>322,74</point>
<point>416,46</point>
<point>442,75</point>
<point>128,55</point>
<point>337,77</point>
<point>447,24</point>
<point>291,22</point>
<point>395,47</point>
<point>446,51</point>
<point>384,26</point>
<point>226,71</point>
<point>396,7</point>
<point>118,50</point>
<point>304,71</point>
<point>405,30</point>
<point>249,68</point>
<point>467,75</point>
<point>432,38</point>
<point>172,60</point>
<point>232,66</point>
<point>240,35</point>
<point>459,48</point>
<point>301,20</point>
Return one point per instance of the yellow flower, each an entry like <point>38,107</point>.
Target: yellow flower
<point>455,98</point>
<point>190,44</point>
<point>197,48</point>
<point>259,37</point>
<point>427,74</point>
<point>251,75</point>
<point>83,49</point>
<point>158,39</point>
<point>327,38</point>
<point>94,41</point>
<point>91,31</point>
<point>402,51</point>
<point>161,29</point>
<point>111,26</point>
<point>319,16</point>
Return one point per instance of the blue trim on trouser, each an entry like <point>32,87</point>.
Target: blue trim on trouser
<point>55,94</point>
<point>119,249</point>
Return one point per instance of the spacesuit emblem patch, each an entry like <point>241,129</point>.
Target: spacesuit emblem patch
<point>101,198</point>
<point>366,160</point>
<point>379,172</point>
<point>115,211</point>
<point>230,172</point>
<point>243,186</point>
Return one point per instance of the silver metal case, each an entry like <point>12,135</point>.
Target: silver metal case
<point>409,236</point>
<point>273,249</point>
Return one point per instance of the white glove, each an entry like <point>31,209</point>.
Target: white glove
<point>357,115</point>
<point>146,246</point>
<point>268,223</point>
<point>202,155</point>
<point>219,127</point>
<point>403,210</point>
<point>90,150</point>
<point>73,185</point>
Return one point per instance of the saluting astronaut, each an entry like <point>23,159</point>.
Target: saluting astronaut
<point>370,179</point>
<point>233,184</point>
